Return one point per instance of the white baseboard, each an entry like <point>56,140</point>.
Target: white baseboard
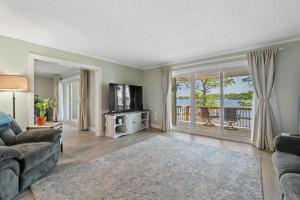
<point>92,129</point>
<point>155,126</point>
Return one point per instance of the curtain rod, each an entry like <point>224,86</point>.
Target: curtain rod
<point>207,61</point>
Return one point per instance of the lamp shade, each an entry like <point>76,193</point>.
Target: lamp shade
<point>13,82</point>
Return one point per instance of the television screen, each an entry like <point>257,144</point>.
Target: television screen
<point>116,97</point>
<point>125,97</point>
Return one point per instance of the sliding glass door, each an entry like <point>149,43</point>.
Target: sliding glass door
<point>237,106</point>
<point>215,103</point>
<point>183,101</point>
<point>207,103</point>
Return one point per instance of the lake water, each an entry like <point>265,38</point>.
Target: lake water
<point>227,102</point>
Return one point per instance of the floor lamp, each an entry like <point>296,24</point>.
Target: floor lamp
<point>13,83</point>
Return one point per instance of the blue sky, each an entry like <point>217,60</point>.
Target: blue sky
<point>238,87</point>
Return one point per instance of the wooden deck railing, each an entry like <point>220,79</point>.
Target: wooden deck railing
<point>243,115</point>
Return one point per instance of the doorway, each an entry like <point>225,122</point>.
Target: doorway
<point>216,103</point>
<point>96,90</point>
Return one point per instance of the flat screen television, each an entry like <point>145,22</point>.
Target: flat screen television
<point>125,97</point>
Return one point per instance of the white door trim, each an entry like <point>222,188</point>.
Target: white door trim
<point>98,87</point>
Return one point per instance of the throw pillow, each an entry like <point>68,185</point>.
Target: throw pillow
<point>4,120</point>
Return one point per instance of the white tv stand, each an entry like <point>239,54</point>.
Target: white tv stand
<point>124,123</point>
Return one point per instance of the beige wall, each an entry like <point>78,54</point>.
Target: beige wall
<point>152,96</point>
<point>43,87</point>
<point>287,88</point>
<point>14,60</point>
<point>287,85</point>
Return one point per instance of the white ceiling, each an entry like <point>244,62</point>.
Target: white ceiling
<point>144,33</point>
<point>48,69</point>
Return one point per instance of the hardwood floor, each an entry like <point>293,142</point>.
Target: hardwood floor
<point>83,146</point>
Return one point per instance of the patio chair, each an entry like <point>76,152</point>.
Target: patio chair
<point>231,116</point>
<point>205,114</point>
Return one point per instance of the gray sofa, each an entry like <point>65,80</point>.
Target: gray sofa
<point>286,161</point>
<point>24,156</point>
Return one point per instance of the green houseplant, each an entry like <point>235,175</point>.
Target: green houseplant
<point>44,105</point>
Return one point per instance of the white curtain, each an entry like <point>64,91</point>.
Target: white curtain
<point>262,69</point>
<point>84,101</point>
<point>56,110</point>
<point>166,80</point>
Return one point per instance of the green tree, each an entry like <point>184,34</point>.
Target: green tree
<point>206,85</point>
<point>208,100</point>
<point>245,103</point>
<point>240,96</point>
<point>183,97</point>
<point>182,83</point>
<point>247,80</point>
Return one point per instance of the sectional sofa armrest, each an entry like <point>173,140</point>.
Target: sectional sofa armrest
<point>39,135</point>
<point>10,164</point>
<point>288,144</point>
<point>7,153</point>
<point>9,178</point>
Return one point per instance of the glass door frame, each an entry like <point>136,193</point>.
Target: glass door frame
<point>67,116</point>
<point>227,137</point>
<point>76,81</point>
<point>192,126</point>
<point>192,74</point>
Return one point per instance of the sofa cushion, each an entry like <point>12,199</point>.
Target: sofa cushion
<point>1,142</point>
<point>29,177</point>
<point>290,186</point>
<point>11,164</point>
<point>9,184</point>
<point>34,153</point>
<point>39,135</point>
<point>285,163</point>
<point>15,127</point>
<point>8,137</point>
<point>7,153</point>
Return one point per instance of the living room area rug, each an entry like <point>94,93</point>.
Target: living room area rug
<point>159,168</point>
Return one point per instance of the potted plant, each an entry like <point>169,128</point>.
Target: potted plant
<point>43,106</point>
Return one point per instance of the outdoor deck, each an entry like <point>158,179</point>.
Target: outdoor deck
<point>242,124</point>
